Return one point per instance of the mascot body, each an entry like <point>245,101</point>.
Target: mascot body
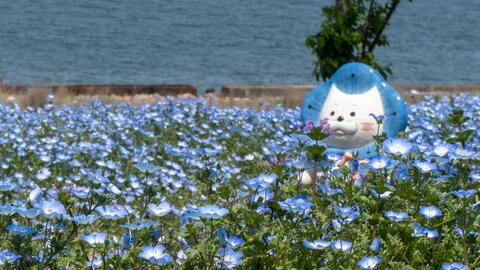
<point>349,100</point>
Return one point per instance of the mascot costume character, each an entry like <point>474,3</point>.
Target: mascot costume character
<point>352,100</point>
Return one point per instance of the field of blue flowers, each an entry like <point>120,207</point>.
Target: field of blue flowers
<point>185,185</point>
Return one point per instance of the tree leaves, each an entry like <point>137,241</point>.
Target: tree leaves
<point>351,34</point>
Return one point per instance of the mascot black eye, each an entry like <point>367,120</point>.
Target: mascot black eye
<point>352,114</point>
<point>309,106</point>
<point>332,113</point>
<point>394,113</point>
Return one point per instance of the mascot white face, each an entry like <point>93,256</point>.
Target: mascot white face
<point>349,116</point>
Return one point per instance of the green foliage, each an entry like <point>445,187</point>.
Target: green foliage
<point>350,31</point>
<point>457,119</point>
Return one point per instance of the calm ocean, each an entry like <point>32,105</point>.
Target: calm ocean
<point>214,42</point>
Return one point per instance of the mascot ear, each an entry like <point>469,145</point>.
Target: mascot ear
<point>395,110</point>
<point>313,102</point>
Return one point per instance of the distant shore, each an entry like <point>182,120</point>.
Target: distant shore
<point>228,95</point>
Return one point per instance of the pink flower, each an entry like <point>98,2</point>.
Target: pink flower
<point>308,125</point>
<point>324,122</point>
<point>325,126</point>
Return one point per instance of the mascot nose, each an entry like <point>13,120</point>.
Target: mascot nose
<point>340,119</point>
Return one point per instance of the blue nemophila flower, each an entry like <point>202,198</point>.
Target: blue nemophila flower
<point>302,139</point>
<point>155,254</point>
<point>396,216</point>
<point>212,211</point>
<point>267,179</point>
<point>332,156</point>
<point>442,149</point>
<point>378,118</point>
<point>454,266</point>
<point>228,258</point>
<point>462,153</point>
<point>222,235</point>
<point>52,208</point>
<point>476,207</point>
<point>430,233</point>
<point>113,189</point>
<point>43,174</point>
<point>353,165</point>
<point>7,186</point>
<point>261,182</point>
<point>160,210</point>
<point>325,187</point>
<point>342,245</point>
<point>419,231</point>
<point>297,204</point>
<point>336,224</point>
<point>234,241</point>
<point>190,213</point>
<point>384,195</point>
<point>422,147</point>
<point>474,176</point>
<point>268,238</point>
<point>463,194</point>
<point>347,213</point>
<point>430,212</point>
<point>376,244</point>
<point>262,209</point>
<point>81,192</point>
<point>460,232</point>
<point>181,257</point>
<point>369,263</point>
<point>7,209</point>
<point>379,162</point>
<point>127,240</point>
<point>111,212</point>
<point>147,167</point>
<point>84,219</point>
<point>28,213</point>
<point>401,172</point>
<point>95,262</point>
<point>397,146</point>
<point>183,242</point>
<point>316,244</point>
<point>35,195</point>
<point>96,238</point>
<point>6,256</point>
<point>21,230</point>
<point>262,195</point>
<point>158,235</point>
<point>139,226</point>
<point>424,166</point>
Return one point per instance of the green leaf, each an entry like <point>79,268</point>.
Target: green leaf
<point>317,134</point>
<point>456,117</point>
<point>464,135</point>
<point>316,151</point>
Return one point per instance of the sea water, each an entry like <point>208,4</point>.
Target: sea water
<point>210,43</point>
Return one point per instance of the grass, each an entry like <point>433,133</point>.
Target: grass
<point>37,96</point>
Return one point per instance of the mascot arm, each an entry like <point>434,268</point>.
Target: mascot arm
<point>396,108</point>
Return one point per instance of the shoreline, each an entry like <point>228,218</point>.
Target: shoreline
<point>228,95</point>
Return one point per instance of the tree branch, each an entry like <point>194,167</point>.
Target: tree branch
<point>392,8</point>
<point>367,27</point>
<point>340,5</point>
